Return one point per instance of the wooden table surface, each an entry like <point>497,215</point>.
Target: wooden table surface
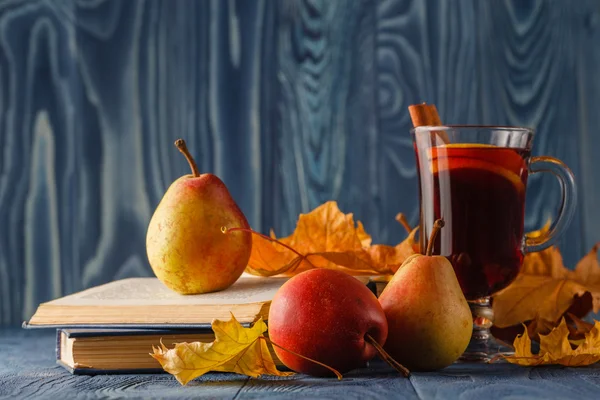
<point>28,369</point>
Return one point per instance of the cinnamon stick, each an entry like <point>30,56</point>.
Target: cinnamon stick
<point>427,115</point>
<point>424,115</point>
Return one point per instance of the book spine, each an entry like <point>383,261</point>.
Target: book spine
<point>58,337</point>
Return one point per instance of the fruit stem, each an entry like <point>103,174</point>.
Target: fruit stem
<point>302,256</point>
<point>180,144</point>
<point>402,219</point>
<point>335,371</point>
<point>387,358</point>
<point>437,226</point>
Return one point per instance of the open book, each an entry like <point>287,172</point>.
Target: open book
<point>147,302</point>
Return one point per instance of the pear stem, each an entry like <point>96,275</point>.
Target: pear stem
<point>270,239</point>
<point>387,358</point>
<point>335,371</point>
<point>182,147</point>
<point>437,226</point>
<point>401,218</point>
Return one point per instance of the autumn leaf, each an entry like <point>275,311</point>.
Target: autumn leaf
<point>327,238</point>
<point>578,328</point>
<point>235,349</point>
<point>545,289</point>
<point>555,348</point>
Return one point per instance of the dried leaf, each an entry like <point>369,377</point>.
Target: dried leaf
<point>587,271</point>
<point>545,289</point>
<point>327,238</point>
<point>579,327</point>
<point>235,349</point>
<point>522,346</point>
<point>388,257</point>
<point>556,349</point>
<point>539,327</point>
<point>364,237</point>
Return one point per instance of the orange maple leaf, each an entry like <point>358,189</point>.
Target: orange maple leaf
<point>545,290</point>
<point>327,238</point>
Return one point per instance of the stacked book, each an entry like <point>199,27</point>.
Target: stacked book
<point>111,328</point>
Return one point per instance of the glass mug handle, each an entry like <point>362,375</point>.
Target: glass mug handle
<point>567,205</point>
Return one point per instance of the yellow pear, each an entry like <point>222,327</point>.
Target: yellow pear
<point>429,320</point>
<point>187,242</point>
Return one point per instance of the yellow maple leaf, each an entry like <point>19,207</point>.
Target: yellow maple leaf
<point>235,349</point>
<point>545,289</point>
<point>327,238</point>
<point>555,348</point>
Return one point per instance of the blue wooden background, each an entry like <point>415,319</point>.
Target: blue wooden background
<point>291,103</point>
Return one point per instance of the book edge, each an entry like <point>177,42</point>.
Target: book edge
<point>203,325</point>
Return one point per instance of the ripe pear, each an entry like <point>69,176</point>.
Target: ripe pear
<point>188,246</point>
<point>429,320</point>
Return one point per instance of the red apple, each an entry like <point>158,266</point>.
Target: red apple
<point>324,315</point>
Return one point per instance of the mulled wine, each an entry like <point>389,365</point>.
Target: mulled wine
<point>479,192</point>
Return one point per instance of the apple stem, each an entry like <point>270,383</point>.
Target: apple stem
<point>180,144</point>
<point>437,226</point>
<point>387,358</point>
<point>335,371</point>
<point>402,219</point>
<point>302,256</point>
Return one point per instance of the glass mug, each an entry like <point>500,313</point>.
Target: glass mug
<point>474,178</point>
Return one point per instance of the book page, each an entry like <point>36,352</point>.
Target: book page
<point>150,291</point>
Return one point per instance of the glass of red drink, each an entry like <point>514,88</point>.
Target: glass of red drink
<point>475,178</point>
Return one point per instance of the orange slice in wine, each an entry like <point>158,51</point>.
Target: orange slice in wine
<point>502,156</point>
<point>451,164</point>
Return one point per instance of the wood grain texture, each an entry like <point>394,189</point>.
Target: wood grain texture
<point>290,102</point>
<point>28,370</point>
<point>528,78</point>
<point>326,110</point>
<point>508,381</point>
<point>425,53</point>
<point>588,134</point>
<point>377,382</point>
